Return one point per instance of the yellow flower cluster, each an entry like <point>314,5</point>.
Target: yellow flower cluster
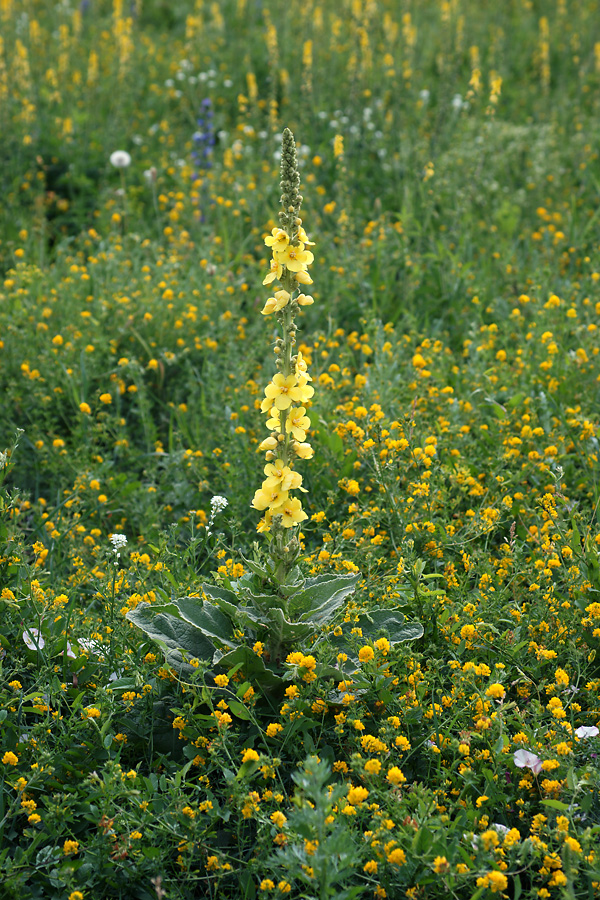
<point>290,390</point>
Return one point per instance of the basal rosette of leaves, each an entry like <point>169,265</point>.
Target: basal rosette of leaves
<point>248,625</point>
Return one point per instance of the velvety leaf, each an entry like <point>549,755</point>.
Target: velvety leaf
<point>172,634</point>
<point>224,599</point>
<point>288,631</point>
<point>321,598</point>
<point>390,624</point>
<point>208,618</point>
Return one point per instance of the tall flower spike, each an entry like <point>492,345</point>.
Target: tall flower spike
<point>288,395</point>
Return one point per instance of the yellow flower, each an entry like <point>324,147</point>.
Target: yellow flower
<point>496,691</point>
<point>10,758</point>
<point>302,367</point>
<point>278,239</point>
<point>303,277</point>
<point>297,422</point>
<point>373,767</point>
<point>306,390</point>
<point>85,408</point>
<point>269,443</point>
<point>276,303</point>
<point>274,423</point>
<point>278,819</point>
<point>105,398</point>
<point>282,391</point>
<point>395,776</point>
<point>282,476</point>
<point>271,498</point>
<point>305,300</point>
<point>357,795</point>
<point>303,450</point>
<point>366,654</point>
<point>397,857</point>
<point>275,272</point>
<point>291,512</point>
<point>70,847</point>
<point>294,257</point>
<point>250,755</point>
<point>221,680</point>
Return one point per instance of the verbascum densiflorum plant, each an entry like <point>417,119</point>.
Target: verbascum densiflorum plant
<point>260,622</point>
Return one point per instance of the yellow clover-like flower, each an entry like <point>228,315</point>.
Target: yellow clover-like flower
<point>282,391</point>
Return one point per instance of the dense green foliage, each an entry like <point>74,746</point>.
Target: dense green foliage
<point>435,732</point>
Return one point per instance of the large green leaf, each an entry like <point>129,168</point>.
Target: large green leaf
<point>390,624</point>
<point>264,602</point>
<point>321,598</point>
<point>208,618</point>
<point>226,600</point>
<point>173,634</point>
<point>288,631</point>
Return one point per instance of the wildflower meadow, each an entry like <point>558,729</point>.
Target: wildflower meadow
<point>299,463</point>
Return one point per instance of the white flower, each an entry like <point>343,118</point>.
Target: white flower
<point>218,503</point>
<point>120,159</point>
<point>586,731</point>
<point>524,759</point>
<point>118,541</point>
<point>33,639</point>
